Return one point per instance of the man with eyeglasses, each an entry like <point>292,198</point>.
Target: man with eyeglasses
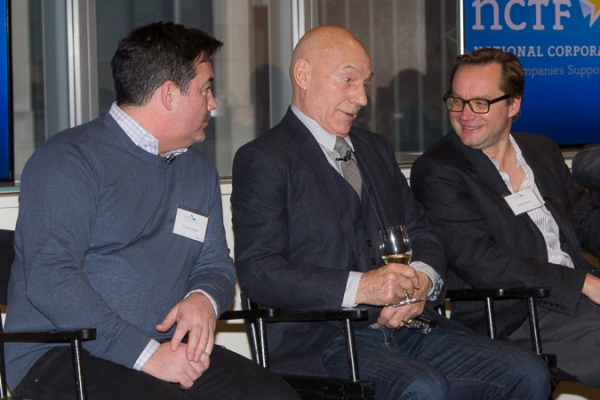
<point>511,215</point>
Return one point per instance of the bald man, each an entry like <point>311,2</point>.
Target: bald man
<point>309,199</point>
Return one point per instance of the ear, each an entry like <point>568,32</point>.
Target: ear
<point>302,73</point>
<point>168,93</point>
<point>514,107</point>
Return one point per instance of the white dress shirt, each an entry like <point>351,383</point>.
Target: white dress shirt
<point>541,217</point>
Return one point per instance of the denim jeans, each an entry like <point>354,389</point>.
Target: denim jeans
<point>444,364</point>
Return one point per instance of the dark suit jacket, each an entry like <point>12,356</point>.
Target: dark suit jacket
<point>586,169</point>
<point>295,241</point>
<point>486,244</point>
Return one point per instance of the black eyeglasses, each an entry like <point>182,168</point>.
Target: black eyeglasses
<point>478,106</point>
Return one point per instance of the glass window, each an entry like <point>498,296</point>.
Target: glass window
<point>412,45</point>
<point>40,74</point>
<point>250,88</point>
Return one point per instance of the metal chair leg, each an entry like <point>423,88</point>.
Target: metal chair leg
<point>489,313</point>
<point>79,380</point>
<point>533,325</point>
<point>351,346</point>
<point>262,337</point>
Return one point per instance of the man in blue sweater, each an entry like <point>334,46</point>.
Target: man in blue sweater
<point>120,228</point>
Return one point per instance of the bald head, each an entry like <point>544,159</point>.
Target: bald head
<point>329,72</point>
<point>317,43</point>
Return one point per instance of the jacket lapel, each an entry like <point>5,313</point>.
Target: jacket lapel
<point>482,169</point>
<point>323,175</point>
<point>373,171</point>
<point>534,158</point>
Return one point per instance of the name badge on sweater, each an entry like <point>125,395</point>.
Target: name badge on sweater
<point>523,201</point>
<point>190,224</point>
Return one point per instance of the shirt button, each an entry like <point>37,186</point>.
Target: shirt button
<point>373,261</point>
<point>369,244</point>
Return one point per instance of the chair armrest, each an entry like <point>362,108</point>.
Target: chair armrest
<point>74,336</point>
<point>498,294</point>
<point>489,295</point>
<point>347,315</point>
<point>277,315</point>
<point>255,324</point>
<point>49,336</point>
<point>324,315</point>
<point>266,313</point>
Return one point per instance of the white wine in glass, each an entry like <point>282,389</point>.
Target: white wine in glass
<point>397,258</point>
<point>394,247</point>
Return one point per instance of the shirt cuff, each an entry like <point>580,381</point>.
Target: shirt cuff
<point>349,300</point>
<point>437,281</point>
<point>148,352</point>
<point>212,301</point>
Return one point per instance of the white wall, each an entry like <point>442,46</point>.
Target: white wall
<point>9,209</point>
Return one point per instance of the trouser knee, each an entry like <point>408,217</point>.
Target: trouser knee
<point>424,385</point>
<point>531,378</point>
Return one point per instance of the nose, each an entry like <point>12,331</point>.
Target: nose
<point>212,102</point>
<point>467,112</point>
<point>360,95</point>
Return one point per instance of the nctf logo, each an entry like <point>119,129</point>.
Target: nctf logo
<point>591,8</point>
<point>189,217</point>
<point>561,8</point>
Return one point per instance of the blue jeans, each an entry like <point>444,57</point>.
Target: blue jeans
<point>445,364</point>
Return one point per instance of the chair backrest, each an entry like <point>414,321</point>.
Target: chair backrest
<point>7,256</point>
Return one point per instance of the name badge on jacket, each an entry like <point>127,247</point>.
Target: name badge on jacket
<point>523,201</point>
<point>190,224</point>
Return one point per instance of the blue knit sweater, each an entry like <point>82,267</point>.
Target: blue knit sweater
<point>95,246</point>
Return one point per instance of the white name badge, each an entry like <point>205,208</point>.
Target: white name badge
<point>523,201</point>
<point>190,224</point>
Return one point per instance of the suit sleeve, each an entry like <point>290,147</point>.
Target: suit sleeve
<point>586,167</point>
<point>261,191</point>
<point>473,251</point>
<point>585,211</point>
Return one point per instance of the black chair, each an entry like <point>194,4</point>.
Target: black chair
<point>309,388</point>
<point>489,295</point>
<point>74,337</point>
<point>530,294</point>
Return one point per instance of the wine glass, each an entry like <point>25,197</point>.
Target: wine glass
<point>394,247</point>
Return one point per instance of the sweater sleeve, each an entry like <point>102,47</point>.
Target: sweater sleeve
<point>59,193</point>
<point>213,272</point>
